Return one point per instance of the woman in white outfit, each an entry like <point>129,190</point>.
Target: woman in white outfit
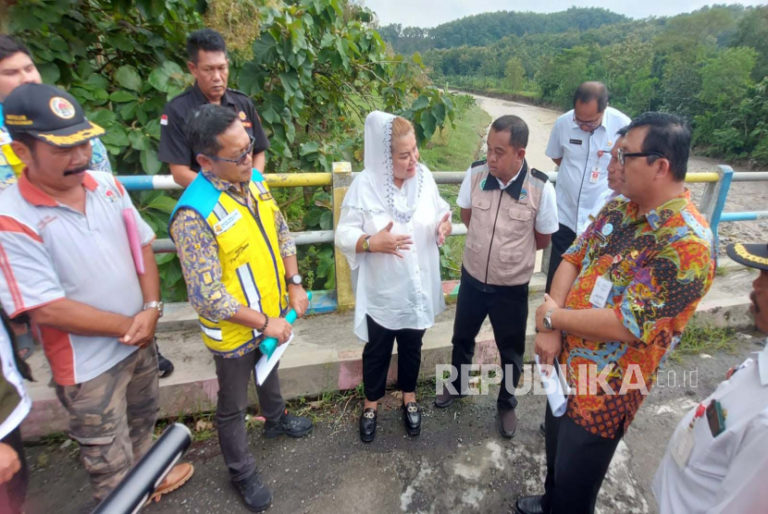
<point>392,222</point>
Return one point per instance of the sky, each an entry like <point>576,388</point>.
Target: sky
<point>429,13</point>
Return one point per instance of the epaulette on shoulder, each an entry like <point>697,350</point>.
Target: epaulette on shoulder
<point>236,91</point>
<point>539,175</point>
<point>478,163</point>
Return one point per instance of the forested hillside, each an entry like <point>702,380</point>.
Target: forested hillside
<point>709,65</point>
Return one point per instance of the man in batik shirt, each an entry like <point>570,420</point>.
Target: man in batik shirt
<point>619,302</point>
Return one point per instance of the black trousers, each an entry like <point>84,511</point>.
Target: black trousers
<point>234,375</point>
<point>13,492</point>
<point>507,307</point>
<point>561,241</point>
<point>576,465</point>
<point>378,352</point>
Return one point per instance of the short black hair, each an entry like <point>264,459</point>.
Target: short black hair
<point>10,45</point>
<point>22,137</point>
<point>204,39</point>
<point>622,131</point>
<point>668,135</point>
<point>588,91</point>
<point>205,124</point>
<point>517,128</point>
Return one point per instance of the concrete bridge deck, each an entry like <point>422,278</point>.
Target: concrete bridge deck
<point>325,355</point>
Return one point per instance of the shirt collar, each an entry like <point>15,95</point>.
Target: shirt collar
<point>657,217</point>
<point>36,196</point>
<point>514,186</point>
<point>200,96</point>
<point>224,185</point>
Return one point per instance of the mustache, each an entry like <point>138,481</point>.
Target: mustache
<point>75,171</point>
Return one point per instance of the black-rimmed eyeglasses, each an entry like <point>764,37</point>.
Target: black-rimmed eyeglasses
<point>622,155</point>
<point>240,160</point>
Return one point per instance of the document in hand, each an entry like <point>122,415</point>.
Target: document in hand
<point>556,387</point>
<point>266,364</point>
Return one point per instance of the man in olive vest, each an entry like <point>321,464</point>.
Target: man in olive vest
<point>239,262</point>
<point>512,210</point>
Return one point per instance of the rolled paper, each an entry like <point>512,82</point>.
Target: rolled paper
<point>269,344</point>
<point>133,239</point>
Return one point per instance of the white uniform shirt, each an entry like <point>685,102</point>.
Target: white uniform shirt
<point>727,473</point>
<point>546,217</point>
<point>582,179</point>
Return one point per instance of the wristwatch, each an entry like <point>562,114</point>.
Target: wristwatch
<point>548,320</point>
<point>294,280</point>
<point>366,244</point>
<point>154,304</point>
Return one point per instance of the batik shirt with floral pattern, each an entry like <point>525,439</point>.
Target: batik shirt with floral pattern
<point>198,253</point>
<point>659,265</point>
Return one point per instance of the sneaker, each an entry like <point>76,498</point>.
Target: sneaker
<point>177,477</point>
<point>288,424</point>
<point>256,495</point>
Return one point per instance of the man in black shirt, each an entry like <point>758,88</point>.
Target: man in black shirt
<point>208,63</point>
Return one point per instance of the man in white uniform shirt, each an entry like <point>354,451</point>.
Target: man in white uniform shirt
<point>510,212</point>
<point>580,144</point>
<point>720,464</point>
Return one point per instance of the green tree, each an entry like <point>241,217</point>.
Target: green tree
<point>514,73</point>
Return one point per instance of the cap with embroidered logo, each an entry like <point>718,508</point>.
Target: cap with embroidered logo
<point>49,114</point>
<point>752,255</point>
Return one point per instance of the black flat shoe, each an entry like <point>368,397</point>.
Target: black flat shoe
<point>412,418</point>
<point>368,425</point>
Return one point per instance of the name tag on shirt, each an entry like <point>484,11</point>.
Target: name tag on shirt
<point>227,222</point>
<point>575,141</point>
<point>599,295</point>
<point>594,175</point>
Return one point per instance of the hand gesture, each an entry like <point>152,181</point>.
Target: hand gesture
<point>548,346</point>
<point>9,462</point>
<point>548,305</point>
<point>444,228</point>
<point>298,299</point>
<point>384,241</point>
<point>142,329</point>
<point>279,329</point>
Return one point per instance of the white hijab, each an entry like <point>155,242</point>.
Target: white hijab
<point>376,192</point>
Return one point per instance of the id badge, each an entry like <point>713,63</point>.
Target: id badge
<point>594,176</point>
<point>682,446</point>
<point>599,295</point>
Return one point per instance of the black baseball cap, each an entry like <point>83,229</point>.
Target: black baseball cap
<point>752,255</point>
<point>49,114</point>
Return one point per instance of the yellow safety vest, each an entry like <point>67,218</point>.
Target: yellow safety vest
<point>249,254</point>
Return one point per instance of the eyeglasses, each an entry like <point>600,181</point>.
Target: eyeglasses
<point>587,126</point>
<point>622,156</point>
<point>240,160</point>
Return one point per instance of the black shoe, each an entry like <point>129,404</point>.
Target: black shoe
<point>368,425</point>
<point>288,424</point>
<point>256,495</point>
<point>507,423</point>
<point>164,366</point>
<point>529,505</point>
<point>444,400</point>
<point>412,418</point>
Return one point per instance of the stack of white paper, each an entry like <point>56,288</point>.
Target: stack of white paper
<point>556,387</point>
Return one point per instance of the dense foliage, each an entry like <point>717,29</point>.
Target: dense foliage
<point>313,67</point>
<point>709,66</point>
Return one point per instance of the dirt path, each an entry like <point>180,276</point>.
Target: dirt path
<point>743,196</point>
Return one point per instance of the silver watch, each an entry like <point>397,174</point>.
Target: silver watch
<point>548,320</point>
<point>295,280</point>
<point>154,304</point>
